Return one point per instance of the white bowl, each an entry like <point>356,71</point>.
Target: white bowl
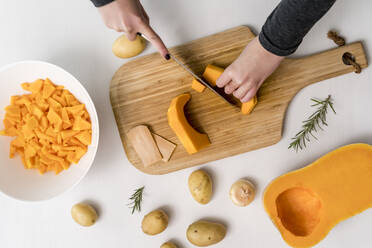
<point>29,185</point>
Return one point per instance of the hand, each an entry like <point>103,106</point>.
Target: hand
<point>130,17</point>
<point>246,74</point>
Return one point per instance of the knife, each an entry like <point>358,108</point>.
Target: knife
<point>218,91</point>
<point>201,80</point>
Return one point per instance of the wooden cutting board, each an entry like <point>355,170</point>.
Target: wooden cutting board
<point>142,90</point>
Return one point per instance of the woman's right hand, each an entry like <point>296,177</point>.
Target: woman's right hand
<point>130,17</point>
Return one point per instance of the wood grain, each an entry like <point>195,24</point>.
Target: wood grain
<point>142,90</point>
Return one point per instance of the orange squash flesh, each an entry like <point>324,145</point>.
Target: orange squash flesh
<point>198,87</point>
<point>192,140</point>
<point>307,203</point>
<point>248,107</point>
<point>211,74</point>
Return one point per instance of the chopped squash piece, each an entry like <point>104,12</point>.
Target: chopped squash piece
<point>36,111</point>
<point>64,115</point>
<point>48,89</point>
<point>42,169</point>
<point>81,124</point>
<point>59,139</point>
<point>43,136</point>
<point>74,141</point>
<point>14,99</point>
<point>192,140</point>
<point>53,117</point>
<point>85,137</point>
<point>75,110</point>
<point>10,132</point>
<point>196,85</point>
<point>52,129</point>
<point>60,100</point>
<point>12,151</point>
<point>247,107</point>
<point>212,73</point>
<point>70,99</point>
<point>27,133</point>
<point>54,104</point>
<point>32,123</point>
<point>34,87</point>
<point>67,134</point>
<point>19,141</point>
<point>7,124</point>
<point>50,132</point>
<point>13,118</point>
<point>30,151</point>
<point>13,110</point>
<point>24,111</point>
<point>44,122</point>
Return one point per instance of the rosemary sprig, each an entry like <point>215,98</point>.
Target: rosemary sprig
<point>316,120</point>
<point>136,200</point>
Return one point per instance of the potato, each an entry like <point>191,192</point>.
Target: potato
<point>84,214</point>
<point>205,233</point>
<point>154,222</point>
<point>124,48</point>
<point>168,245</point>
<point>200,186</point>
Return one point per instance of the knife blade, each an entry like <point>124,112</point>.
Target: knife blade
<point>221,94</point>
<point>202,81</point>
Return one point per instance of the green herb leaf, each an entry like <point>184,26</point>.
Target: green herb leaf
<point>309,127</point>
<point>136,200</point>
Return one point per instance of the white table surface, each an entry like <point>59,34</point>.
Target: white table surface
<point>72,35</point>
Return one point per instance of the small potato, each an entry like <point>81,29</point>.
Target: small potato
<point>124,48</point>
<point>205,233</point>
<point>200,186</point>
<point>84,214</point>
<point>154,222</point>
<point>168,245</point>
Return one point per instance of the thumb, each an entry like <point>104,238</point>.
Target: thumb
<point>131,35</point>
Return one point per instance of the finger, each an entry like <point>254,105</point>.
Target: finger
<point>224,79</point>
<point>242,90</point>
<point>147,19</point>
<point>231,87</point>
<point>250,94</point>
<point>131,36</point>
<point>155,40</point>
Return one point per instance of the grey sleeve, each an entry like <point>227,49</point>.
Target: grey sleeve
<point>100,3</point>
<point>290,21</point>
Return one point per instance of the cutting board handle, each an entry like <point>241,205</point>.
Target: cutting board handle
<point>321,66</point>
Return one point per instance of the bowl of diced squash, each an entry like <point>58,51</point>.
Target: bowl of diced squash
<point>48,131</point>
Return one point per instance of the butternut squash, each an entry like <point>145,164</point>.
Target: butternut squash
<point>211,74</point>
<point>307,203</point>
<point>192,140</point>
<point>197,86</point>
<point>51,127</point>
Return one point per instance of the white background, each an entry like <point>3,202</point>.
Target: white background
<point>71,34</point>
